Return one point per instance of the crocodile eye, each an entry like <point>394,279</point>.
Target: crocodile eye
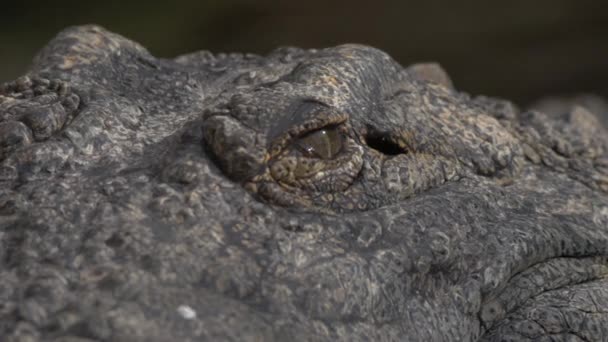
<point>324,143</point>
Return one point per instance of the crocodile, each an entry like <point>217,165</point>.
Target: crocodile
<point>306,195</point>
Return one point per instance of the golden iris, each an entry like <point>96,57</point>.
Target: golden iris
<point>324,143</point>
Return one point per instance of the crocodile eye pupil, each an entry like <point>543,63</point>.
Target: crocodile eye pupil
<point>324,143</point>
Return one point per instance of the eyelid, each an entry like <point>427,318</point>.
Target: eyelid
<point>331,119</point>
<point>300,113</point>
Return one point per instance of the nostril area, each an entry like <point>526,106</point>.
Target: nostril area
<point>381,142</point>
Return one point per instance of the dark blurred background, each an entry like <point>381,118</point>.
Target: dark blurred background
<point>516,49</point>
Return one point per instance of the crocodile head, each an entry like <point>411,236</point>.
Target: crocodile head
<point>307,194</point>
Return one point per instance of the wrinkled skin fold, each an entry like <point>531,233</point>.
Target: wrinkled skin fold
<point>306,195</point>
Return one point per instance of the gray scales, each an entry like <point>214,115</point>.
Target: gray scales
<point>306,195</point>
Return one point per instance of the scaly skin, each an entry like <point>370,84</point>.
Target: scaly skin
<point>308,195</point>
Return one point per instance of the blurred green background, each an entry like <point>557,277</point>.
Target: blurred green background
<point>517,49</point>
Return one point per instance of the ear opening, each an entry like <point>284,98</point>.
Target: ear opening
<point>381,142</point>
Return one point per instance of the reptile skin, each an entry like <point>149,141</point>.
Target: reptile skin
<point>306,195</point>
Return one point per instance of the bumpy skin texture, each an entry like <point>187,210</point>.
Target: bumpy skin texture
<point>308,195</point>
